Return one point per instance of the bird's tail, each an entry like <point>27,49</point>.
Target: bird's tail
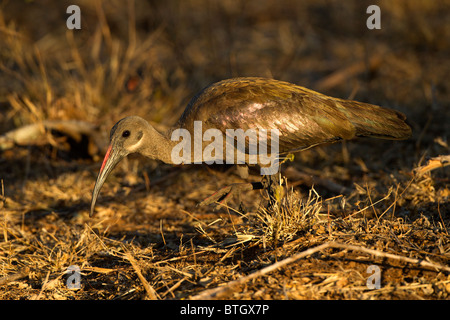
<point>376,122</point>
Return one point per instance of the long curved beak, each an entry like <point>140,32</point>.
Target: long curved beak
<point>112,158</point>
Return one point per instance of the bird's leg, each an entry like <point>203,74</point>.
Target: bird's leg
<point>224,193</point>
<point>271,184</point>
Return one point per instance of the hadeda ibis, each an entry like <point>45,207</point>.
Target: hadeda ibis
<point>302,118</point>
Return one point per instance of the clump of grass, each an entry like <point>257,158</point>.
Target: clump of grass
<point>289,214</point>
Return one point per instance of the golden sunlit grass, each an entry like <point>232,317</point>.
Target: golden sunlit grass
<point>289,215</point>
<point>341,208</point>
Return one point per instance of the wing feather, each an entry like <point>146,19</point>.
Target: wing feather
<point>303,117</point>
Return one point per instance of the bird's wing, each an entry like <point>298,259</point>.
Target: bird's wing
<point>302,117</point>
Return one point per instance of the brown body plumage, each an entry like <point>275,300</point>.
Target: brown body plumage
<point>303,117</point>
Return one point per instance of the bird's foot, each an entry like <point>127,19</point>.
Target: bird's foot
<point>224,193</point>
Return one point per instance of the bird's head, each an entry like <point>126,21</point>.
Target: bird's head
<point>126,137</point>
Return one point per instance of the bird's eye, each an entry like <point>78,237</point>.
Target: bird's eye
<point>126,133</point>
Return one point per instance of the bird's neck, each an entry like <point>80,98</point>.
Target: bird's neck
<point>160,148</point>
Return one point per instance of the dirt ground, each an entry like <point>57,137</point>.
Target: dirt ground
<point>379,209</point>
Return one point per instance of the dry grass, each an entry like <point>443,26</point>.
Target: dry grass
<point>345,207</point>
<point>289,215</point>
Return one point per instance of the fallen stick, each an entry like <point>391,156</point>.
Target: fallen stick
<point>220,291</point>
<point>15,276</point>
<point>295,175</point>
<point>151,293</point>
<point>342,75</point>
<point>432,164</point>
<point>35,134</point>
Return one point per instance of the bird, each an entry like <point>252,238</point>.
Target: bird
<point>302,117</point>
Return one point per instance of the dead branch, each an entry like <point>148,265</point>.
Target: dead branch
<point>294,175</point>
<point>151,293</point>
<point>15,276</point>
<point>433,163</point>
<point>35,134</point>
<point>346,73</point>
<point>223,290</point>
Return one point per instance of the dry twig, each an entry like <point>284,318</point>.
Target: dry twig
<point>151,293</point>
<point>15,276</point>
<point>220,291</point>
<point>433,163</point>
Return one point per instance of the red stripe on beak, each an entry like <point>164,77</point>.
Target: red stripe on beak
<point>106,158</point>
